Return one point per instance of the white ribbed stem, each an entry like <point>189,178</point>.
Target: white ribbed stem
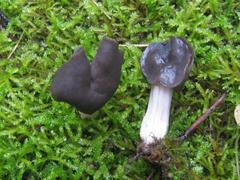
<point>155,122</point>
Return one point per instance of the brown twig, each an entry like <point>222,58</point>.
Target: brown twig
<point>203,117</point>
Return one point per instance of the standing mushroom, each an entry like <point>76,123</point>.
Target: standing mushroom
<point>166,66</point>
<point>89,86</point>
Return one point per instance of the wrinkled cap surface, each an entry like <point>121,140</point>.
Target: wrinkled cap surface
<point>89,86</point>
<point>167,63</point>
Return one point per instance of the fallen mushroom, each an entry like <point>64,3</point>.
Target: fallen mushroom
<point>166,66</point>
<point>89,86</point>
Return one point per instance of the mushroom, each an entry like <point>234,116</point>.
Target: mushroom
<point>89,86</point>
<point>237,114</point>
<point>166,65</point>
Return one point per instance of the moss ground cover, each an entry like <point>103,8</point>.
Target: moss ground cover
<point>41,138</point>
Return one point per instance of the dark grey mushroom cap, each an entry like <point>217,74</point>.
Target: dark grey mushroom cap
<point>167,63</point>
<point>89,86</point>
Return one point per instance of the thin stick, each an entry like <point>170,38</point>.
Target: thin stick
<point>135,45</point>
<point>203,117</point>
<point>15,47</point>
<point>96,4</point>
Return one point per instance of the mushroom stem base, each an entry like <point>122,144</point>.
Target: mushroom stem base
<point>87,116</point>
<point>155,153</point>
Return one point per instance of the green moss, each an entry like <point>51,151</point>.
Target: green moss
<point>41,138</point>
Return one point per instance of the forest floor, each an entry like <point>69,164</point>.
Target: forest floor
<point>42,138</point>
